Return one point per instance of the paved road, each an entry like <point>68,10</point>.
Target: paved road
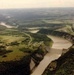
<point>53,54</point>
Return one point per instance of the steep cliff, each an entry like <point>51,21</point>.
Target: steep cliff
<point>62,66</point>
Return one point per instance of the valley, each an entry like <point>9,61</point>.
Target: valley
<point>53,54</point>
<point>34,41</point>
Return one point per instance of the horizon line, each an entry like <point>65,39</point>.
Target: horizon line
<point>35,8</point>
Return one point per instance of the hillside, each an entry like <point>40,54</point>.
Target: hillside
<point>2,28</point>
<point>62,66</point>
<point>18,48</point>
<point>68,28</point>
<point>25,39</point>
<point>64,35</point>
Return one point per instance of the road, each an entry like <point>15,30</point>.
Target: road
<point>54,53</point>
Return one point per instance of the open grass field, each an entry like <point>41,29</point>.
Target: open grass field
<point>8,39</point>
<point>13,43</point>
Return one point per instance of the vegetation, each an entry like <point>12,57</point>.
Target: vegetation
<point>18,46</point>
<point>38,54</point>
<point>15,46</point>
<point>42,38</point>
<point>58,33</point>
<point>2,28</point>
<point>64,65</point>
<point>4,51</point>
<point>16,67</point>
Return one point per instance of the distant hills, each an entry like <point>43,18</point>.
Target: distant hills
<point>35,14</point>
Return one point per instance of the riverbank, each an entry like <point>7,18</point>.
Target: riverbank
<point>53,54</point>
<point>4,24</point>
<point>64,65</point>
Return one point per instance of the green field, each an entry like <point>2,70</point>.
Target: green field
<point>14,44</point>
<point>16,53</point>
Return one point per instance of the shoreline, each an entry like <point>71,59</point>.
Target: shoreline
<point>54,53</point>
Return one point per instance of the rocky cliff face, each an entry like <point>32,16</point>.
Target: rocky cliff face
<point>62,66</point>
<point>38,55</point>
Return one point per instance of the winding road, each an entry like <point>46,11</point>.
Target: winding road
<point>54,53</point>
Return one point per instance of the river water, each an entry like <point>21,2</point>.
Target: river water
<point>54,53</point>
<point>4,24</point>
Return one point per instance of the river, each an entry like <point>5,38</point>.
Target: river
<point>4,24</point>
<point>54,53</point>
